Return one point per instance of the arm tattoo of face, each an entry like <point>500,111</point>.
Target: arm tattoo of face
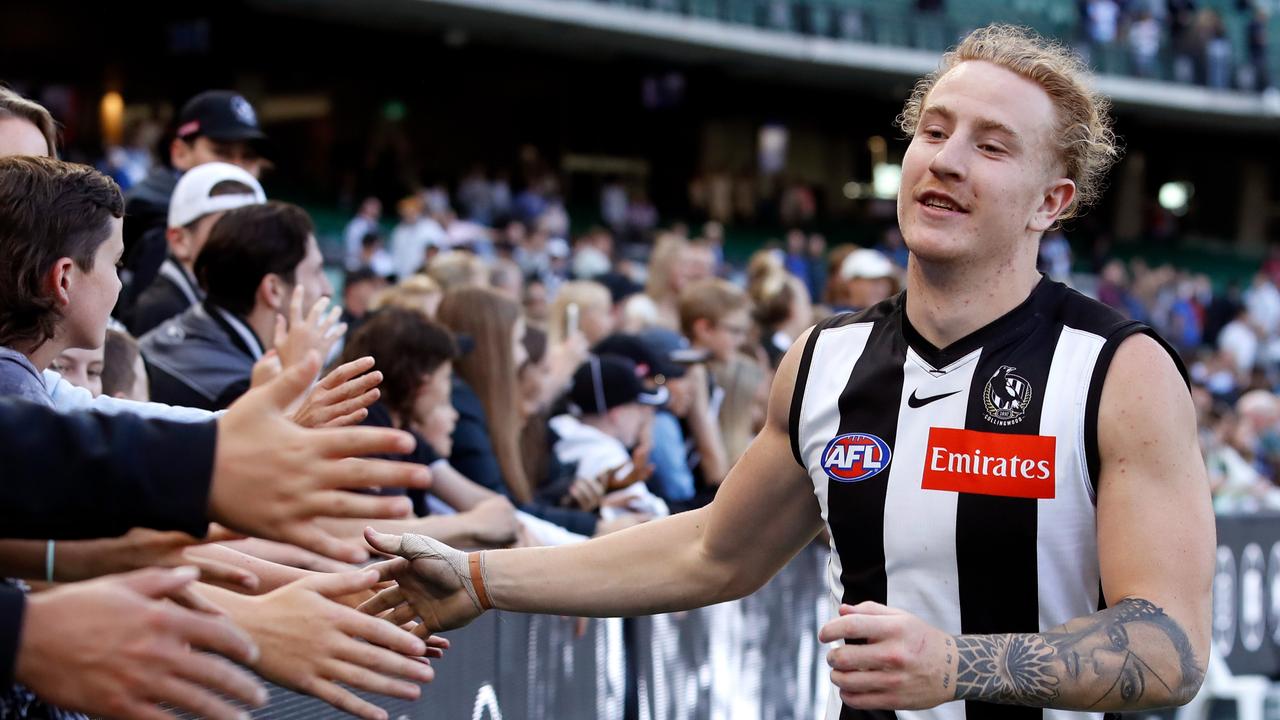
<point>1128,656</point>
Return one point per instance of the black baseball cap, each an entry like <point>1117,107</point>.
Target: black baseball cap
<point>359,275</point>
<point>672,346</point>
<point>219,115</point>
<point>605,382</point>
<point>620,286</point>
<point>653,365</point>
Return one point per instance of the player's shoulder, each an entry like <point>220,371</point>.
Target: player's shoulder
<point>1124,339</point>
<point>1078,311</point>
<point>793,368</point>
<point>787,391</point>
<point>1142,360</point>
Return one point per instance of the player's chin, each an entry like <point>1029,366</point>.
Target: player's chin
<point>935,244</point>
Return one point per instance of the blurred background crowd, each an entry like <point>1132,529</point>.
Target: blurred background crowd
<point>576,264</point>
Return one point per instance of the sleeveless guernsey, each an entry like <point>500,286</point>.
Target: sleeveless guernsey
<point>958,483</point>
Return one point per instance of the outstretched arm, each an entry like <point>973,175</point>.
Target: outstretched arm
<point>1148,649</point>
<point>762,516</point>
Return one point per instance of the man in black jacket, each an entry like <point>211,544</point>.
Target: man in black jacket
<point>255,258</point>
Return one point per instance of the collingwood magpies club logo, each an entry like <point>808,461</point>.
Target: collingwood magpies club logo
<point>1006,397</point>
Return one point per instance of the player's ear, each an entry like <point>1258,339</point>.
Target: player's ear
<point>1057,197</point>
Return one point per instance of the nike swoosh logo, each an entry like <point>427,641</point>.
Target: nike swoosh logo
<point>918,402</point>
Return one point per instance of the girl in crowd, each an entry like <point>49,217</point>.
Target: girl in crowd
<point>415,356</point>
<point>782,309</point>
<point>673,266</point>
<point>485,446</point>
<point>667,279</point>
<point>458,268</point>
<point>594,313</point>
<point>486,441</point>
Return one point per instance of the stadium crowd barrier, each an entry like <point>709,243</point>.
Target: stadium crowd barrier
<point>758,657</point>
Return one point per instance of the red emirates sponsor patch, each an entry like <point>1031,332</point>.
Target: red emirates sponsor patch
<point>984,463</point>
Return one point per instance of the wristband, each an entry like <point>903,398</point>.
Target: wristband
<point>474,560</point>
<point>48,562</point>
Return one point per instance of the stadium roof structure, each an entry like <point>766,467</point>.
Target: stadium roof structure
<point>608,28</point>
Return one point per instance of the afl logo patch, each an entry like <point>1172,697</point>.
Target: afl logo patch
<point>854,457</point>
<point>1006,397</point>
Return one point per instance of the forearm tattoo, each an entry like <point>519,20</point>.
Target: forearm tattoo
<point>1128,656</point>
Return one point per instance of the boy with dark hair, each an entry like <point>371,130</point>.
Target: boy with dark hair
<point>255,259</point>
<point>60,240</point>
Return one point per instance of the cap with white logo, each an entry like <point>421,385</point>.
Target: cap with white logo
<point>193,199</point>
<point>222,115</point>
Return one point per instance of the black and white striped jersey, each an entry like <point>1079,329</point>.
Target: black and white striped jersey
<point>958,483</point>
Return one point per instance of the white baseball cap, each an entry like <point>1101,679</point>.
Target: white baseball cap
<point>864,263</point>
<point>191,199</point>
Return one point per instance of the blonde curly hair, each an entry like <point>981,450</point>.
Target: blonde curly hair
<point>1087,146</point>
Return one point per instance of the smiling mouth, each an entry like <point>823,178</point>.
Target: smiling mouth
<point>940,204</point>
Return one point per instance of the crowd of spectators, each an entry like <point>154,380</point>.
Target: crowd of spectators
<point>555,387</point>
<point>1215,44</point>
<point>1181,40</point>
<point>110,500</point>
<point>1228,336</point>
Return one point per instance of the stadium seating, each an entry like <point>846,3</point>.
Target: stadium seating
<point>901,23</point>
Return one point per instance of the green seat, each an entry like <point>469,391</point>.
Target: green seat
<point>822,18</point>
<point>742,12</point>
<point>705,8</point>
